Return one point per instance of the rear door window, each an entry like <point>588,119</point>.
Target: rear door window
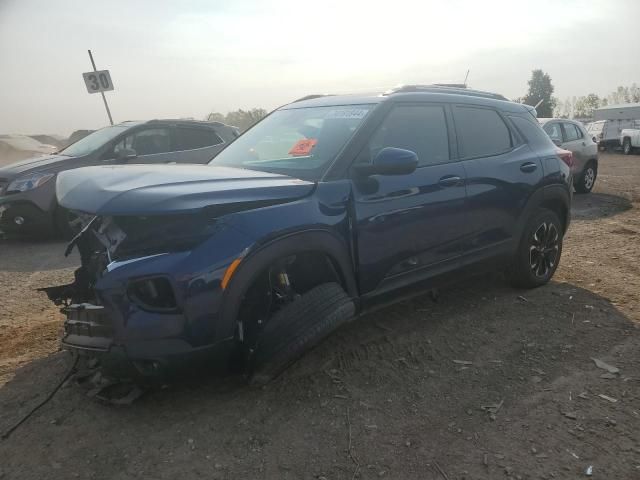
<point>571,132</point>
<point>419,128</point>
<point>149,141</point>
<point>481,132</point>
<point>186,138</point>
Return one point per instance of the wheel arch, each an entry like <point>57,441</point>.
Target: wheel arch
<point>560,207</point>
<point>553,197</point>
<point>320,241</point>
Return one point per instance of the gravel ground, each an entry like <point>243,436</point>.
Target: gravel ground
<point>489,382</point>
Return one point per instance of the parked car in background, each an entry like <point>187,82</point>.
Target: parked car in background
<point>606,133</point>
<point>325,208</point>
<point>27,188</point>
<point>609,122</point>
<point>630,138</point>
<point>571,135</point>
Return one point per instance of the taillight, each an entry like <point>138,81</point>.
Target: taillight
<point>566,157</point>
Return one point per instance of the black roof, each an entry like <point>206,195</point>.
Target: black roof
<point>184,121</point>
<point>446,88</point>
<point>438,93</point>
<point>174,121</point>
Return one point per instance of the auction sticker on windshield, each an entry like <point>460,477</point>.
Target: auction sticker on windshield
<point>347,113</point>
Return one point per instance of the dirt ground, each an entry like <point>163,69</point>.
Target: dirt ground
<point>489,382</point>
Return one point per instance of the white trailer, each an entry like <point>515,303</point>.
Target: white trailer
<point>609,122</point>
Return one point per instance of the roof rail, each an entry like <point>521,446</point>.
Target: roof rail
<point>311,97</point>
<point>453,85</point>
<point>445,88</point>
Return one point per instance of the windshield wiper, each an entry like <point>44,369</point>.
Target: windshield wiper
<point>276,160</point>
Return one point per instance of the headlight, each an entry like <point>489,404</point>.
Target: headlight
<point>154,294</point>
<point>29,182</point>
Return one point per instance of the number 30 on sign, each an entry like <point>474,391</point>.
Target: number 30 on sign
<point>99,81</point>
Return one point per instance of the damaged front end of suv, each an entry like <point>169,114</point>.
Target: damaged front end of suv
<point>156,259</point>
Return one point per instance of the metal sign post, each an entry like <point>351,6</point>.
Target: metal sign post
<point>106,84</point>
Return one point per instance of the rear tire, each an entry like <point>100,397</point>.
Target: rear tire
<point>539,251</point>
<point>587,179</point>
<point>298,327</point>
<point>627,149</point>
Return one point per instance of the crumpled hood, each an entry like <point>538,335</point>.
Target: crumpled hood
<point>35,164</point>
<point>161,189</point>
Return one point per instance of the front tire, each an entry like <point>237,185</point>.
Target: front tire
<point>539,251</point>
<point>587,179</point>
<point>298,327</point>
<point>627,149</point>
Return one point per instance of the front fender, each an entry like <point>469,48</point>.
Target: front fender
<point>316,223</point>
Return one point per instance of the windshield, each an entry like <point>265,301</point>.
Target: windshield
<point>93,141</point>
<point>300,142</point>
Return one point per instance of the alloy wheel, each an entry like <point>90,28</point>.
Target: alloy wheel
<point>589,178</point>
<point>543,249</point>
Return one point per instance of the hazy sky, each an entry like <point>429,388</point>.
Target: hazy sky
<point>187,58</point>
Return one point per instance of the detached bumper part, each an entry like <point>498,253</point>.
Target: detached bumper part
<point>89,330</point>
<point>87,327</point>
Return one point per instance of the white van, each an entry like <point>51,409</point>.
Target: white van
<point>610,121</point>
<point>606,133</point>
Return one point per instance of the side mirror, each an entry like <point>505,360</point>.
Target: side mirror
<point>557,142</point>
<point>126,154</point>
<point>390,161</point>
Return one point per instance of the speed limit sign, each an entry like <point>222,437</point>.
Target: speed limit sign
<point>97,82</point>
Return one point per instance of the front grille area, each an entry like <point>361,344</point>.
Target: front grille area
<point>88,320</point>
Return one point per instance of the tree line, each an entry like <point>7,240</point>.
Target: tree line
<point>243,119</point>
<point>541,90</point>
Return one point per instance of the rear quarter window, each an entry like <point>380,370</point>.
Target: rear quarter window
<point>531,130</point>
<point>481,132</point>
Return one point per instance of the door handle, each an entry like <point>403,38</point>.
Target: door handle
<point>528,167</point>
<point>450,181</point>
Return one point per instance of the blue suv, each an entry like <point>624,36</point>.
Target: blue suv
<point>327,207</point>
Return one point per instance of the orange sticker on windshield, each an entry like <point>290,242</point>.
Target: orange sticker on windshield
<point>303,147</point>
